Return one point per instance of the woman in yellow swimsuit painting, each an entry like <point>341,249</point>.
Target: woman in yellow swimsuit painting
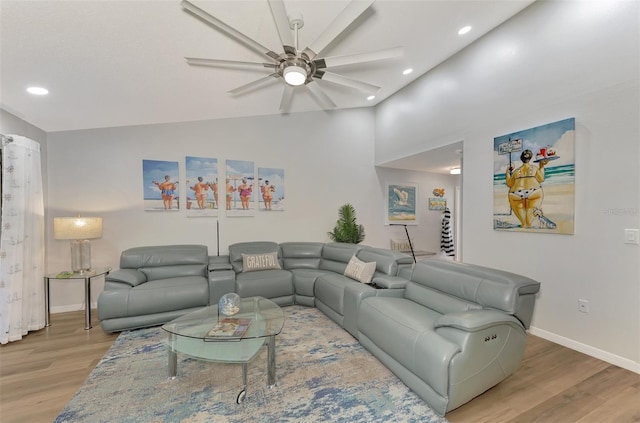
<point>525,191</point>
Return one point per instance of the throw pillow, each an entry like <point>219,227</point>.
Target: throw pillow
<point>359,270</point>
<point>253,262</point>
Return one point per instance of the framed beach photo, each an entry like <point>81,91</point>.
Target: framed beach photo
<point>202,186</point>
<point>534,179</point>
<point>271,182</point>
<point>160,185</point>
<point>240,186</point>
<point>401,204</point>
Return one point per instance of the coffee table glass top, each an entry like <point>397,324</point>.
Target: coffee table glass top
<point>190,334</point>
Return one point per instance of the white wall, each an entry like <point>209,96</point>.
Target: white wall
<point>556,59</point>
<point>327,158</point>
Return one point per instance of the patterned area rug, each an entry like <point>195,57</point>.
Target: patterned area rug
<point>324,375</point>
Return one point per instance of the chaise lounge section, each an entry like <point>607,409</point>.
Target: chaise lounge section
<point>457,330</point>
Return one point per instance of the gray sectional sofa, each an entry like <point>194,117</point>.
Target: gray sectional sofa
<point>449,330</point>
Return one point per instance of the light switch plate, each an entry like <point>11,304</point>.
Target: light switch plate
<point>632,236</point>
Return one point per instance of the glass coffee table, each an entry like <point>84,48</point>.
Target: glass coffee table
<point>191,335</point>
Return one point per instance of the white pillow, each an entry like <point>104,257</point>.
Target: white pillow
<point>359,270</point>
<point>253,262</point>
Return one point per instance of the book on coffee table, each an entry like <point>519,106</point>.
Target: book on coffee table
<point>229,328</point>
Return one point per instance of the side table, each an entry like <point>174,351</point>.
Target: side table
<point>87,275</point>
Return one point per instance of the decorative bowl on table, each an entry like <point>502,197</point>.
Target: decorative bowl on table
<point>229,304</point>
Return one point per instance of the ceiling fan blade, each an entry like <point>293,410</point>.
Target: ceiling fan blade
<point>196,61</point>
<point>339,24</point>
<point>349,59</point>
<point>343,80</point>
<point>281,20</point>
<point>287,94</point>
<point>232,32</point>
<point>320,96</point>
<point>254,84</point>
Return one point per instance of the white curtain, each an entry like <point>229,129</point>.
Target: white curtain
<point>22,240</point>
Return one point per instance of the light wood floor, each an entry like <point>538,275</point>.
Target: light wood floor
<point>40,374</point>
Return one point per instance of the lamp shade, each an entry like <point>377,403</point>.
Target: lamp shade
<point>77,227</point>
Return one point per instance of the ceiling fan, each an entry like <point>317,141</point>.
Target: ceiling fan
<point>294,66</point>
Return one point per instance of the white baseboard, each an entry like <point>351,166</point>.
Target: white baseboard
<point>616,360</point>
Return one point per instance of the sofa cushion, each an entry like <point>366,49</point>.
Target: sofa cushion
<point>264,261</point>
<point>359,270</point>
<point>157,296</point>
<point>329,289</point>
<point>490,288</point>
<point>405,331</point>
<point>336,255</point>
<point>304,280</point>
<point>301,255</point>
<point>164,255</point>
<point>167,261</point>
<point>265,283</point>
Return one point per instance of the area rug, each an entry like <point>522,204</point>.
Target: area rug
<point>323,375</point>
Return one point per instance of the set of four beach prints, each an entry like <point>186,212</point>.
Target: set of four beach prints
<point>205,192</point>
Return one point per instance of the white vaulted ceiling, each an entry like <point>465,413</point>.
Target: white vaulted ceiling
<point>116,63</point>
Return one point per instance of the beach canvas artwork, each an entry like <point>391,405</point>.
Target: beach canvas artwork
<point>271,182</point>
<point>202,186</point>
<point>534,179</point>
<point>241,188</point>
<point>401,204</point>
<point>160,185</point>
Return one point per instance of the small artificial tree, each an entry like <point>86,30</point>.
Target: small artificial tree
<point>347,230</point>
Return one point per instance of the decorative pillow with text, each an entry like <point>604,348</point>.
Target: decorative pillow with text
<point>253,262</point>
<point>359,270</point>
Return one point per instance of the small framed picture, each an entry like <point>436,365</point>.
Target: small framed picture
<point>438,204</point>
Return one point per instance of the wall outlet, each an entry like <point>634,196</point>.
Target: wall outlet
<point>583,306</point>
<point>631,236</point>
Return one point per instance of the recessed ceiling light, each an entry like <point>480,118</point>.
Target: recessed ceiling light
<point>464,30</point>
<point>371,97</point>
<point>455,171</point>
<point>407,71</point>
<point>37,91</point>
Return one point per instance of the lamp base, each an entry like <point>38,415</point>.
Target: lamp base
<point>80,255</point>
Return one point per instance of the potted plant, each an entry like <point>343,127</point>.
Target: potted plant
<point>347,230</point>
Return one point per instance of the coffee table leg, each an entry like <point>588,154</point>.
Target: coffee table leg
<point>243,393</point>
<point>271,361</point>
<point>173,357</point>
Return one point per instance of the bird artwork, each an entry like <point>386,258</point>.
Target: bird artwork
<point>402,197</point>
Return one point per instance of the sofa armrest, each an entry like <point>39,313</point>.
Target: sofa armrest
<point>131,277</point>
<point>389,282</point>
<point>476,320</point>
<point>219,263</point>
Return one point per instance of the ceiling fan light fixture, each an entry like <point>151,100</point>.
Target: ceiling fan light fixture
<point>294,75</point>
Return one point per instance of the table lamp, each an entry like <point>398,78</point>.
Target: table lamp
<point>79,230</point>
